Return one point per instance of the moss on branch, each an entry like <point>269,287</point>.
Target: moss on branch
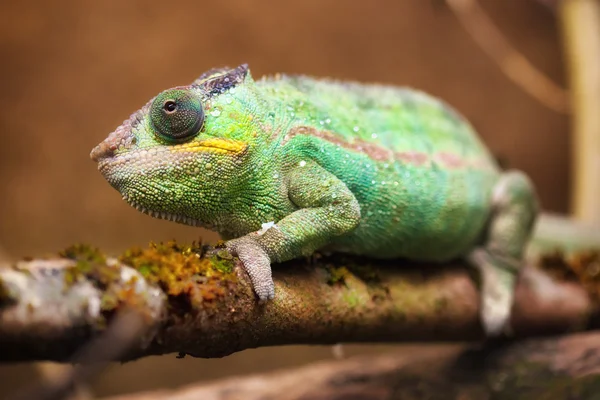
<point>201,302</point>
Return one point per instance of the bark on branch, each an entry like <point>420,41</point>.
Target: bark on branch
<point>555,368</point>
<point>204,306</point>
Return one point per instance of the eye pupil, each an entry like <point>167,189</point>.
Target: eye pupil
<point>170,106</point>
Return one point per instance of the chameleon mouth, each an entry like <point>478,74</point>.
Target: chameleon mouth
<point>214,145</point>
<point>157,155</point>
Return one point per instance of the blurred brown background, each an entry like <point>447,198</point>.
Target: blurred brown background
<point>73,70</point>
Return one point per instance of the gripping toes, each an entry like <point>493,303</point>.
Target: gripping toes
<point>500,258</point>
<point>257,264</point>
<point>498,280</point>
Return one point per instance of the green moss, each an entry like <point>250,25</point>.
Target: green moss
<point>222,262</point>
<point>341,270</point>
<point>181,270</point>
<point>83,253</point>
<point>352,298</point>
<point>365,272</point>
<point>109,302</point>
<point>582,267</point>
<point>90,263</point>
<point>359,267</point>
<point>336,275</point>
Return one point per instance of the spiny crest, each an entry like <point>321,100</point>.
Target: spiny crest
<point>218,80</point>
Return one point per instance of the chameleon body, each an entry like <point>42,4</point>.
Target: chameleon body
<point>287,165</point>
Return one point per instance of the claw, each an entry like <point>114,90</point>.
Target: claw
<point>257,264</point>
<point>266,291</point>
<point>498,285</point>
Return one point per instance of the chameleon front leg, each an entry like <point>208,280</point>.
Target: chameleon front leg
<point>500,259</point>
<point>326,209</point>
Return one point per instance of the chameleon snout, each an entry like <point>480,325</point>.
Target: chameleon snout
<point>103,150</point>
<point>121,138</point>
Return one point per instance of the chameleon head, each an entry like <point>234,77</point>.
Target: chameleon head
<point>181,156</point>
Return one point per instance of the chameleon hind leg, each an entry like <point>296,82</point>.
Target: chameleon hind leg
<point>501,256</point>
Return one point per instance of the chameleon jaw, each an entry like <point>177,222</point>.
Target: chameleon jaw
<point>167,216</point>
<point>130,171</point>
<point>213,145</point>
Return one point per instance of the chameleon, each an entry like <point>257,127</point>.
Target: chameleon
<point>288,165</point>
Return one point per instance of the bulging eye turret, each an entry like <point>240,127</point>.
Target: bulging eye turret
<point>176,115</point>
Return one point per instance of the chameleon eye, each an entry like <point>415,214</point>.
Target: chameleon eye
<point>176,114</point>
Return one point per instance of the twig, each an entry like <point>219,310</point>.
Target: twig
<point>514,65</point>
<point>204,306</point>
<point>580,23</point>
<point>550,4</point>
<point>125,329</point>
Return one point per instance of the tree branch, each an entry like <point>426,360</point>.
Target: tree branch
<point>554,368</point>
<point>203,305</point>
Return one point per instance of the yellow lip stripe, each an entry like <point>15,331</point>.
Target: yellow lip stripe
<point>212,145</point>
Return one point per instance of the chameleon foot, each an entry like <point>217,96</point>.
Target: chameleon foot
<point>498,280</point>
<point>257,264</point>
<point>500,258</point>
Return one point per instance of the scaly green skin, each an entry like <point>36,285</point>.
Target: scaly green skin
<point>364,169</point>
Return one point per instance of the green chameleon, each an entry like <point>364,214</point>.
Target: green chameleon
<point>287,165</point>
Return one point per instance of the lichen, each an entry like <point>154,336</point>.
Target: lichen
<point>182,272</point>
<point>582,267</point>
<point>187,277</point>
<point>91,265</point>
